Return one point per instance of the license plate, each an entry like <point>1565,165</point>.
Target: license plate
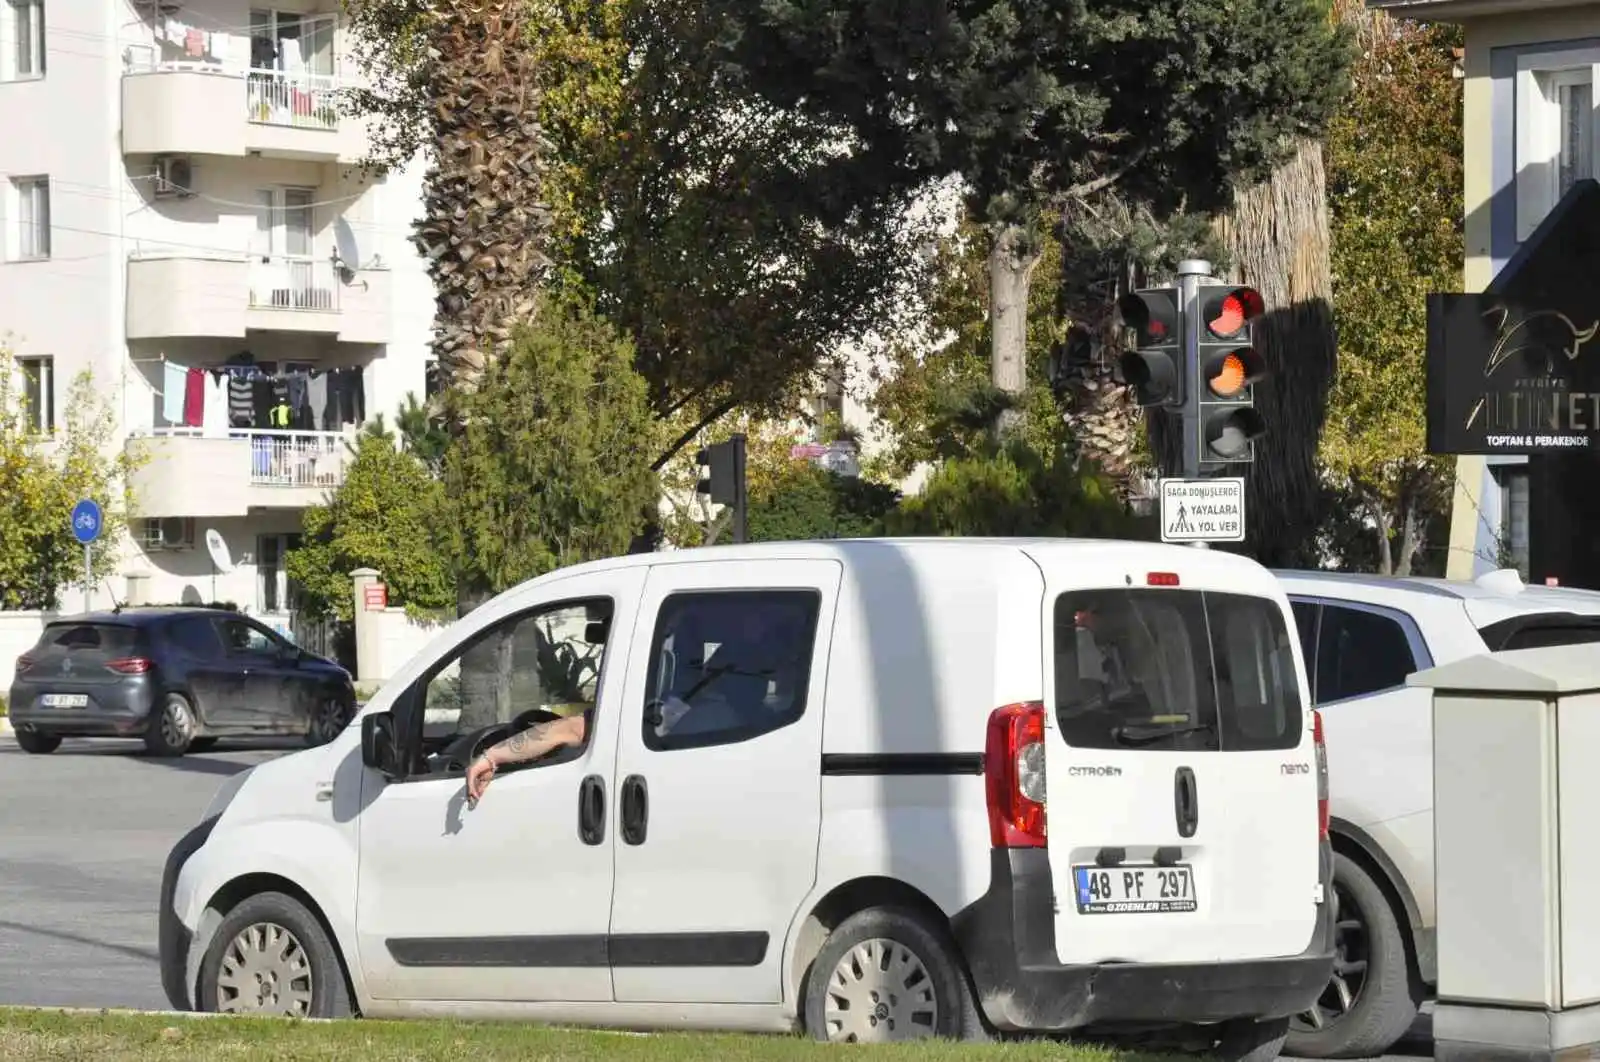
<point>65,700</point>
<point>1135,889</point>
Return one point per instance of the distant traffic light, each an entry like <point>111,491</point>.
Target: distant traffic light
<point>1154,368</point>
<point>722,478</point>
<point>1227,367</point>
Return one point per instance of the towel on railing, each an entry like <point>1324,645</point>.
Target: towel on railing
<point>194,398</point>
<point>174,385</point>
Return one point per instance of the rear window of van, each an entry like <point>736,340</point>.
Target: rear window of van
<point>1175,669</point>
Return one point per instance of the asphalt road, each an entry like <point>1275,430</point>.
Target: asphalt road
<point>83,835</point>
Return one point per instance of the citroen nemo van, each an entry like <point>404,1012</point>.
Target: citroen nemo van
<point>871,790</point>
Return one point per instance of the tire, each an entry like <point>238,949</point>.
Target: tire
<point>942,1005</point>
<point>328,720</point>
<point>307,982</point>
<point>203,744</point>
<point>171,730</point>
<point>1246,1040</point>
<point>31,741</point>
<point>1371,945</point>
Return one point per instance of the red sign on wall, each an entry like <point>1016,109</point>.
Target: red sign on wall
<point>377,597</point>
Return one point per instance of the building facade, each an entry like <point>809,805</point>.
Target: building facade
<point>185,218</point>
<point>1529,128</point>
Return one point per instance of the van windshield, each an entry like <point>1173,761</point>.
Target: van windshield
<point>1174,669</point>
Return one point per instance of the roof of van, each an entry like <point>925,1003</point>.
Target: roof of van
<point>1487,600</point>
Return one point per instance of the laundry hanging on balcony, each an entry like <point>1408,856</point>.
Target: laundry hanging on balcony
<point>244,395</point>
<point>194,398</point>
<point>174,381</point>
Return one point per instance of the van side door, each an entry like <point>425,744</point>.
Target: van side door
<point>718,780</point>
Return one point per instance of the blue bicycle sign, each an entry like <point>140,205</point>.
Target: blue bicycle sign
<point>86,521</point>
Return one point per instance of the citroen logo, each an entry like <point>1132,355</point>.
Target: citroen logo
<point>1525,336</point>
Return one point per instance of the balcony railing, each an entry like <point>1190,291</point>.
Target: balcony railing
<point>307,101</point>
<point>282,458</point>
<point>293,282</point>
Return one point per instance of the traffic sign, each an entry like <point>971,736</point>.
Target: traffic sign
<point>1202,510</point>
<point>86,521</point>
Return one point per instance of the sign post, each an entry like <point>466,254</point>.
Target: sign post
<point>86,522</point>
<point>1201,511</point>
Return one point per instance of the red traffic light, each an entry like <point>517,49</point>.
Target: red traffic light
<point>1153,314</point>
<point>1229,312</point>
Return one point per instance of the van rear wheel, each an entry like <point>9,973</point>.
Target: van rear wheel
<point>1372,999</point>
<point>885,975</point>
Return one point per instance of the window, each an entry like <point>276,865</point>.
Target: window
<point>23,36</point>
<point>196,636</point>
<point>30,238</point>
<point>1360,652</point>
<point>727,667</point>
<point>1174,669</point>
<point>1555,130</point>
<point>1305,622</point>
<point>116,639</point>
<point>276,593</point>
<point>547,662</point>
<point>242,637</point>
<point>39,393</point>
<point>292,43</point>
<point>1513,545</point>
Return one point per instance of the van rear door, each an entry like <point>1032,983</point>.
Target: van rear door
<point>1181,780</point>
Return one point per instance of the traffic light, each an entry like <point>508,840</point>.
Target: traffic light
<point>1154,368</point>
<point>1227,367</point>
<point>722,478</point>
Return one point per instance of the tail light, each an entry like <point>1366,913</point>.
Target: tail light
<point>129,665</point>
<point>1013,768</point>
<point>1322,775</point>
<point>24,662</point>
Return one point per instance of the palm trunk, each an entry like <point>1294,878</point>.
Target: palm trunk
<point>1278,236</point>
<point>1011,263</point>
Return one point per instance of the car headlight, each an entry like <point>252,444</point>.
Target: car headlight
<point>225,794</point>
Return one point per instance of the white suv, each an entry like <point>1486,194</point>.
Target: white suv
<point>1362,635</point>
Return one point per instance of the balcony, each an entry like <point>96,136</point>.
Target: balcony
<point>198,108</point>
<point>185,294</point>
<point>186,472</point>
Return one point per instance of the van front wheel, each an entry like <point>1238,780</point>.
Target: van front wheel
<point>270,956</point>
<point>884,975</point>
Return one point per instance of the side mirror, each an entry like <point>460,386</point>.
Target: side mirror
<point>379,750</point>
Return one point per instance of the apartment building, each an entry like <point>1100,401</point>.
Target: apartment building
<point>185,218</point>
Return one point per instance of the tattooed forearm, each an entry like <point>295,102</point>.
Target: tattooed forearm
<point>524,744</point>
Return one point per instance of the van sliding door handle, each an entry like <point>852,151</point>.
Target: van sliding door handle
<point>635,815</point>
<point>591,810</point>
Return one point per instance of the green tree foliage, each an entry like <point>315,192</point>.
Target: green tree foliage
<point>1395,199</point>
<point>807,502</point>
<point>1015,492</point>
<point>1038,105</point>
<point>383,516</point>
<point>553,463</point>
<point>42,478</point>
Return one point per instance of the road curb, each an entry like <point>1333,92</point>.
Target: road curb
<point>133,1013</point>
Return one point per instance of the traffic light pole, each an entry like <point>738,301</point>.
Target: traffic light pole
<point>1191,271</point>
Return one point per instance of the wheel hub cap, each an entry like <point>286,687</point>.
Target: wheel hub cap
<point>265,971</point>
<point>880,991</point>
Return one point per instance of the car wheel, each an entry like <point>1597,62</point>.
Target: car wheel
<point>270,956</point>
<point>1246,1040</point>
<point>885,975</point>
<point>328,720</point>
<point>1372,999</point>
<point>36,743</point>
<point>171,731</point>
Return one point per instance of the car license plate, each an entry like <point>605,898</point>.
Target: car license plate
<point>65,700</point>
<point>1134,889</point>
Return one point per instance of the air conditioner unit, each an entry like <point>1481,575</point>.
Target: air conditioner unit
<point>174,177</point>
<point>172,532</point>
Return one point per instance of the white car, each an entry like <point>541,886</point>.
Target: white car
<point>810,792</point>
<point>1361,636</point>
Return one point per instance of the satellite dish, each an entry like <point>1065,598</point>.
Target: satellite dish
<point>345,240</point>
<point>218,550</point>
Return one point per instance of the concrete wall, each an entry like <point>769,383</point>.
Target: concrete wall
<point>19,632</point>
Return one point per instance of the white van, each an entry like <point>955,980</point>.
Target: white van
<point>845,831</point>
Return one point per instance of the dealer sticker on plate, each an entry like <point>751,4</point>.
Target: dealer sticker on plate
<point>1134,889</point>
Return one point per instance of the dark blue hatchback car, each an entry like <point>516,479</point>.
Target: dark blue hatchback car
<point>177,677</point>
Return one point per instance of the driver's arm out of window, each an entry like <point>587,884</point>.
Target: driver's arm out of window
<point>538,740</point>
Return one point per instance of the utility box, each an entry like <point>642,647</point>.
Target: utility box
<point>1516,785</point>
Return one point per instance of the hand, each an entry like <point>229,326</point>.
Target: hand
<point>479,775</point>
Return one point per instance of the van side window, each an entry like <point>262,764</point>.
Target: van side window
<point>1360,652</point>
<point>1174,669</point>
<point>728,666</point>
<point>547,661</point>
